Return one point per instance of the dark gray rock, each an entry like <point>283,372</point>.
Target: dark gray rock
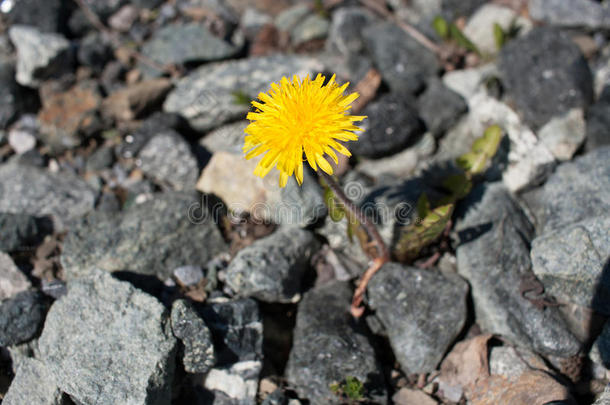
<point>151,238</point>
<point>47,16</point>
<point>422,312</point>
<point>392,124</point>
<point>577,190</point>
<point>600,352</point>
<point>271,268</point>
<point>452,9</point>
<point>407,66</point>
<point>21,232</point>
<point>206,97</point>
<point>598,121</point>
<point>574,13</point>
<point>184,43</point>
<point>94,52</point>
<point>9,93</point>
<point>440,107</point>
<point>110,343</point>
<point>30,190</point>
<point>21,317</point>
<point>101,159</point>
<point>573,263</point>
<point>345,33</point>
<point>198,356</point>
<point>237,331</point>
<point>34,384</point>
<point>40,56</point>
<point>493,255</point>
<point>545,65</point>
<point>328,346</point>
<point>167,158</point>
<point>157,123</point>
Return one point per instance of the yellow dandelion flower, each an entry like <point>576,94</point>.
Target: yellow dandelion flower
<point>296,117</point>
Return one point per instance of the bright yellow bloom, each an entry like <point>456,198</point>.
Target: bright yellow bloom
<point>296,117</point>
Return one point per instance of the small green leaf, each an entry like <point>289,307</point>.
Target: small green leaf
<point>462,40</point>
<point>335,211</point>
<point>423,206</point>
<point>240,98</point>
<point>483,149</point>
<point>499,36</point>
<point>458,185</point>
<point>441,27</point>
<point>422,233</point>
<point>354,389</point>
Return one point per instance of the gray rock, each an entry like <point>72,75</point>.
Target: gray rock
<point>600,352</point>
<point>252,20</point>
<point>571,263</point>
<point>328,346</point>
<point>151,238</point>
<point>598,121</point>
<point>34,384</point>
<point>512,362</point>
<point>40,55</point>
<point>9,93</point>
<point>21,317</point>
<point>422,312</point>
<point>312,27</point>
<point>184,43</point>
<point>168,159</point>
<point>47,16</point>
<point>101,159</point>
<point>576,191</point>
<point>30,190</point>
<point>187,326</point>
<point>237,328</point>
<point>493,255</point>
<point>228,138</point>
<point>188,275</point>
<point>271,268</point>
<point>289,18</point>
<point>573,13</point>
<point>94,52</point>
<point>407,66</point>
<point>545,65</point>
<point>440,107</point>
<point>345,33</point>
<point>564,135</point>
<point>207,96</point>
<point>110,343</point>
<point>12,280</point>
<point>392,124</point>
<point>604,398</point>
<point>452,9</point>
<point>22,232</point>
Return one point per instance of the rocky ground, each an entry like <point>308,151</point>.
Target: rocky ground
<point>141,262</point>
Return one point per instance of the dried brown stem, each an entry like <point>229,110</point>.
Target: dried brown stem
<point>383,253</point>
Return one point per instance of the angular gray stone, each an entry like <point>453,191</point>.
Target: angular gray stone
<point>422,312</point>
<point>30,190</point>
<point>40,56</point>
<point>577,190</point>
<point>452,9</point>
<point>545,65</point>
<point>604,398</point>
<point>271,269</point>
<point>21,232</point>
<point>440,107</point>
<point>34,384</point>
<point>228,138</point>
<point>328,346</point>
<point>345,33</point>
<point>47,16</point>
<point>574,13</point>
<point>12,280</point>
<point>237,328</point>
<point>168,159</point>
<point>207,96</point>
<point>110,343</point>
<point>183,43</point>
<point>198,356</point>
<point>573,263</point>
<point>493,255</point>
<point>151,238</point>
<point>289,18</point>
<point>600,352</point>
<point>188,275</point>
<point>392,124</point>
<point>21,317</point>
<point>312,27</point>
<point>564,135</point>
<point>407,66</point>
<point>9,92</point>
